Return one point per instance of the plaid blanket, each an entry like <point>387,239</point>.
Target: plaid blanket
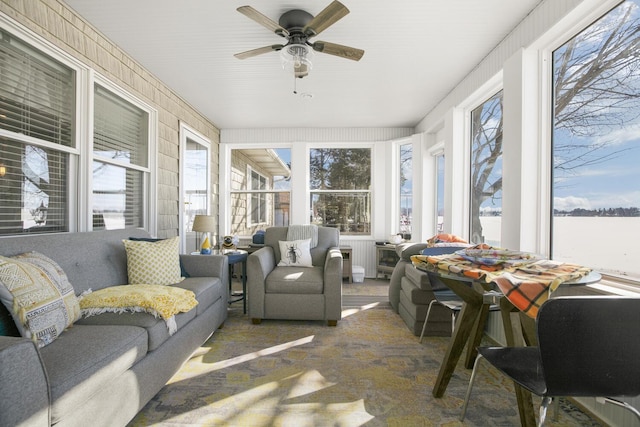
<point>526,286</point>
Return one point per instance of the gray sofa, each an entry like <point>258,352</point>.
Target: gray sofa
<point>410,292</point>
<point>105,368</point>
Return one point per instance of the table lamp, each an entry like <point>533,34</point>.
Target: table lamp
<point>205,224</point>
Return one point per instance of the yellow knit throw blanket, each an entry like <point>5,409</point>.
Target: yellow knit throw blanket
<point>158,300</point>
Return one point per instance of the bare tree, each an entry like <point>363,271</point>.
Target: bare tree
<point>596,88</point>
<point>486,150</point>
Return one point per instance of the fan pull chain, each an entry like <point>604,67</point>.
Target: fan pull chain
<point>295,84</point>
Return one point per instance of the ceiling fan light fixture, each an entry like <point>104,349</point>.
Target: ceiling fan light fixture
<point>297,58</point>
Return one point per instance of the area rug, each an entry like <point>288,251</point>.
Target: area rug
<point>368,371</point>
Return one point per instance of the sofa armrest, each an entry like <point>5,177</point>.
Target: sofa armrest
<point>333,284</point>
<point>206,266</point>
<point>406,250</point>
<point>24,388</point>
<point>259,264</point>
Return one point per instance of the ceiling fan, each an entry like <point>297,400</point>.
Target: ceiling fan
<point>298,26</point>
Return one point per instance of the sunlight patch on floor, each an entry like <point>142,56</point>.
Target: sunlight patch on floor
<point>210,367</point>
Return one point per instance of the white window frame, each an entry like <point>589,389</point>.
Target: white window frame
<point>189,133</point>
<point>374,179</point>
<point>251,191</point>
<point>149,172</point>
<point>79,179</point>
<point>75,185</point>
<point>458,158</point>
<point>436,152</point>
<point>553,40</point>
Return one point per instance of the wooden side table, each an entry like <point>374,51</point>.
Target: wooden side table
<point>347,262</point>
<point>386,259</point>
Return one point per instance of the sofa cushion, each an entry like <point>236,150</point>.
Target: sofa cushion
<point>82,360</point>
<point>415,294</point>
<point>161,301</point>
<point>418,277</point>
<point>295,253</point>
<point>38,295</point>
<point>207,290</point>
<point>153,263</point>
<point>413,316</point>
<point>157,332</point>
<point>295,280</point>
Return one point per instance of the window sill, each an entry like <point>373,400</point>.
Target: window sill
<point>609,285</point>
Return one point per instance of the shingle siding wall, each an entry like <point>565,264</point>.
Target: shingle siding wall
<point>61,26</point>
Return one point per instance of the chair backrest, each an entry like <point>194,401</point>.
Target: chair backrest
<point>590,346</point>
<point>328,237</point>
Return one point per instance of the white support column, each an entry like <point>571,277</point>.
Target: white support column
<point>523,155</point>
<point>456,158</point>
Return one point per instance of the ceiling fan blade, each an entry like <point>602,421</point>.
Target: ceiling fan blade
<point>338,50</point>
<point>263,20</point>
<point>323,20</point>
<point>258,51</point>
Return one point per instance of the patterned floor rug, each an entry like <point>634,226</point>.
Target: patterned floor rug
<point>368,371</point>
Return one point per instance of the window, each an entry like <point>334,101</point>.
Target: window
<point>406,189</point>
<point>47,186</point>
<point>486,171</point>
<point>596,144</point>
<point>439,193</point>
<point>120,166</point>
<point>260,189</point>
<point>340,184</point>
<point>195,164</point>
<point>258,206</point>
<point>37,101</point>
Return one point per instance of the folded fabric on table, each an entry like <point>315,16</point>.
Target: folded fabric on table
<point>526,284</point>
<point>158,300</point>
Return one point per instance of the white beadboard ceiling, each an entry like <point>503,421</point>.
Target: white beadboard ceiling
<point>416,51</point>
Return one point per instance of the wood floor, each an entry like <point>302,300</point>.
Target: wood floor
<point>371,291</point>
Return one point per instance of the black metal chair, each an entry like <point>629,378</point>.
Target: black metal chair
<point>587,346</point>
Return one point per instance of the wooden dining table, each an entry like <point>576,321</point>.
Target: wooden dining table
<point>477,288</point>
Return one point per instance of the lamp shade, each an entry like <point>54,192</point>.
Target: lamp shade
<point>204,223</point>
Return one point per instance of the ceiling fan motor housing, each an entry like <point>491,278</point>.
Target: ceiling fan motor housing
<point>295,20</point>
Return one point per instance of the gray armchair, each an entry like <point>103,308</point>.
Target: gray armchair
<point>293,292</point>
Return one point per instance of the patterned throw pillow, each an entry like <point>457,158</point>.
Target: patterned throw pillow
<point>295,253</point>
<point>153,263</point>
<point>183,271</point>
<point>38,295</point>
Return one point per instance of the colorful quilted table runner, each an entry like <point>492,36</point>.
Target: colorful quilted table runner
<point>524,279</point>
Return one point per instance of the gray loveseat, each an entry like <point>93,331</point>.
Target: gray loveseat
<point>105,368</point>
<point>411,291</point>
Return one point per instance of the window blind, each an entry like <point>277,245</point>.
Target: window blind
<point>121,135</point>
<point>37,100</point>
<point>37,94</point>
<point>120,129</point>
